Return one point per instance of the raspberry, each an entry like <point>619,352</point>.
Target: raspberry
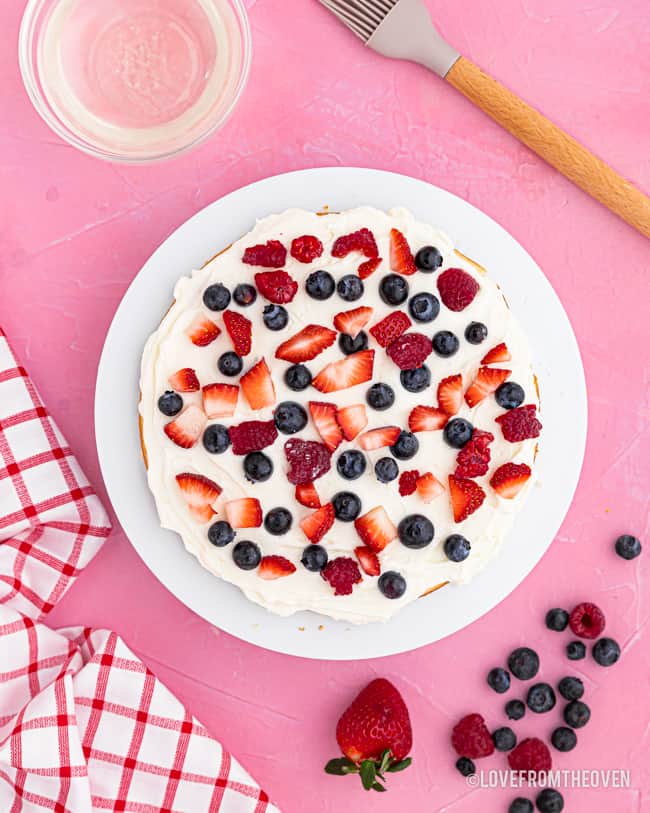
<point>270,255</point>
<point>530,755</point>
<point>390,328</point>
<point>306,249</point>
<point>410,350</point>
<point>471,738</point>
<point>408,482</point>
<point>587,620</point>
<point>252,436</point>
<point>520,423</point>
<point>457,288</point>
<point>362,240</point>
<point>368,267</point>
<point>276,286</point>
<point>474,458</point>
<point>307,460</point>
<point>342,573</point>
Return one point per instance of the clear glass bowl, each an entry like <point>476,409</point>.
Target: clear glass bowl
<point>135,80</point>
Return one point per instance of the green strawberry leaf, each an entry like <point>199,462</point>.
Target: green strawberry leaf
<point>368,771</point>
<point>380,788</point>
<point>341,766</point>
<point>400,766</point>
<point>384,760</point>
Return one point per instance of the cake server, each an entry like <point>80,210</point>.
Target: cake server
<point>403,29</point>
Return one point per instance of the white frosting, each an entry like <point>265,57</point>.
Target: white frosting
<point>169,349</point>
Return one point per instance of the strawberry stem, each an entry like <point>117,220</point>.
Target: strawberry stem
<point>370,770</point>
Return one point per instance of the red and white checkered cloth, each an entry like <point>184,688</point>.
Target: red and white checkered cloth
<point>84,725</point>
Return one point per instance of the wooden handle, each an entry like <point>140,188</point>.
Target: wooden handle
<point>552,144</point>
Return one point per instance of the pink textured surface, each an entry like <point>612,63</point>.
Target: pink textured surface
<point>75,231</point>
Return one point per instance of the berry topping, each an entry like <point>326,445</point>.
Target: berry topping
<point>540,698</point>
<point>606,651</point>
<point>576,714</point>
<point>386,469</point>
<point>220,534</point>
<point>184,380</point>
<point>306,344</point>
<point>520,424</point>
<point>380,396</point>
<point>220,400</point>
<point>170,404</point>
<point>368,267</point>
<point>246,555</point>
<point>406,446</point>
<point>348,372</point>
<point>524,663</point>
<point>314,558</point>
<point>275,317</point>
<point>509,479</point>
<point>428,259</point>
<point>557,619</point>
<point>571,688</point>
<point>499,679</point>
<point>587,620</point>
<point>626,546</point>
<point>427,419</point>
<point>392,585</point>
<point>258,387</point>
<point>497,355</point>
<point>252,436</point>
<point>457,288</point>
<point>515,709</point>
<point>390,328</point>
<point>216,297</point>
<point>258,467</point>
<point>352,322</point>
<point>564,739</point>
<point>473,460</point>
<point>466,497</point>
<point>270,255</point>
<point>216,439</point>
<point>324,417</point>
<point>348,345</point>
<point>244,513</point>
<point>510,395</point>
<point>450,394</point>
<point>410,350</point>
<point>351,465</point>
<point>378,438</point>
<point>187,428</point>
<point>342,574</point>
<point>202,331</point>
<point>487,381</point>
<point>428,487</point>
<point>375,529</point>
<point>199,493</point>
<point>457,548</point>
<point>306,249</point>
<point>307,495</point>
<point>352,420</point>
<point>445,344</point>
<point>393,289</point>
<point>401,259</point>
<point>347,506</point>
<point>297,377</point>
<point>320,285</point>
<point>470,737</point>
<point>278,521</point>
<point>424,307</point>
<point>230,364</point>
<point>530,755</point>
<point>240,331</point>
<point>416,380</point>
<point>465,766</point>
<point>504,739</point>
<point>275,567</point>
<point>362,241</point>
<point>458,432</point>
<point>407,482</point>
<point>244,294</point>
<point>550,800</point>
<point>350,288</point>
<point>576,650</point>
<point>476,332</point>
<point>290,417</point>
<point>276,286</point>
<point>415,531</point>
<point>368,560</point>
<point>308,460</point>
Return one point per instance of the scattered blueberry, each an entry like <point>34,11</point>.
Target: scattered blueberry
<point>347,506</point>
<point>424,307</point>
<point>350,288</point>
<point>557,619</point>
<point>278,521</point>
<point>428,259</point>
<point>290,418</point>
<point>476,332</point>
<point>550,801</point>
<point>510,395</point>
<point>275,317</point>
<point>393,289</point>
<point>380,397</point>
<point>521,805</point>
<point>524,663</point>
<point>515,709</point>
<point>386,469</point>
<point>392,584</point>
<point>576,714</point>
<point>297,377</point>
<point>457,548</point>
<point>244,294</point>
<point>504,739</point>
<point>348,345</point>
<point>406,446</point>
<point>415,531</point>
<point>564,739</point>
<point>465,766</point>
<point>216,297</point>
<point>246,555</point>
<point>627,546</point>
<point>170,403</point>
<point>571,688</point>
<point>445,344</point>
<point>540,698</point>
<point>258,467</point>
<point>576,650</point>
<point>220,533</point>
<point>320,285</point>
<point>458,432</point>
<point>216,439</point>
<point>499,679</point>
<point>606,651</point>
<point>314,558</point>
<point>416,380</point>
<point>351,464</point>
<point>230,364</point>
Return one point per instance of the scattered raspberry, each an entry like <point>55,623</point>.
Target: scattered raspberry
<point>240,330</point>
<point>474,458</point>
<point>410,350</point>
<point>362,240</point>
<point>530,755</point>
<point>520,423</point>
<point>342,573</point>
<point>471,738</point>
<point>369,267</point>
<point>276,286</point>
<point>457,288</point>
<point>408,482</point>
<point>587,620</point>
<point>270,255</point>
<point>390,328</point>
<point>306,249</point>
<point>307,460</point>
<point>252,436</point>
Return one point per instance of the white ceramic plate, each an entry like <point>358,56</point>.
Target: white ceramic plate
<point>556,359</point>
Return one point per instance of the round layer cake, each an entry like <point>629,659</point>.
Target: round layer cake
<point>339,414</point>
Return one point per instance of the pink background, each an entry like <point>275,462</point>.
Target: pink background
<point>74,232</point>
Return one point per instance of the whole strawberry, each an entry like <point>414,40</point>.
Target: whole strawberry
<point>375,735</point>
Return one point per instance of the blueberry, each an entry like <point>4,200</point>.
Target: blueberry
<point>476,332</point>
<point>457,548</point>
<point>564,739</point>
<point>230,364</point>
<point>416,380</point>
<point>216,297</point>
<point>314,558</point>
<point>244,295</point>
<point>275,317</point>
<point>347,506</point>
<point>428,259</point>
<point>571,688</point>
<point>557,619</point>
<point>258,467</point>
<point>220,533</point>
<point>246,555</point>
<point>290,418</point>
<point>216,439</point>
<point>393,289</point>
<point>549,801</point>
<point>606,651</point>
<point>458,432</point>
<point>575,651</point>
<point>392,584</point>
<point>504,739</point>
<point>320,285</point>
<point>540,698</point>
<point>386,469</point>
<point>170,403</point>
<point>415,531</point>
<point>278,521</point>
<point>406,446</point>
<point>445,344</point>
<point>351,464</point>
<point>627,546</point>
<point>576,714</point>
<point>523,663</point>
<point>380,397</point>
<point>297,377</point>
<point>520,805</point>
<point>510,395</point>
<point>499,679</point>
<point>465,766</point>
<point>515,709</point>
<point>348,345</point>
<point>424,307</point>
<point>350,287</point>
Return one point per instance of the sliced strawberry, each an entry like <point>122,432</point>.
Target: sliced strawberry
<point>428,487</point>
<point>220,400</point>
<point>362,240</point>
<point>351,322</point>
<point>271,254</point>
<point>401,258</point>
<point>368,560</point>
<point>240,330</point>
<point>369,267</point>
<point>473,459</point>
<point>324,416</point>
<point>352,420</point>
<point>184,380</point>
<point>407,482</point>
<point>276,286</point>
<point>307,495</point>
<point>390,328</point>
<point>375,529</point>
<point>202,331</point>
<point>199,493</point>
<point>306,345</point>
<point>244,513</point>
<point>509,479</point>
<point>466,497</point>
<point>450,394</point>
<point>427,419</point>
<point>187,428</point>
<point>348,372</point>
<point>257,385</point>
<point>316,525</point>
<point>275,567</point>
<point>498,354</point>
<point>487,381</point>
<point>378,438</point>
<point>306,249</point>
